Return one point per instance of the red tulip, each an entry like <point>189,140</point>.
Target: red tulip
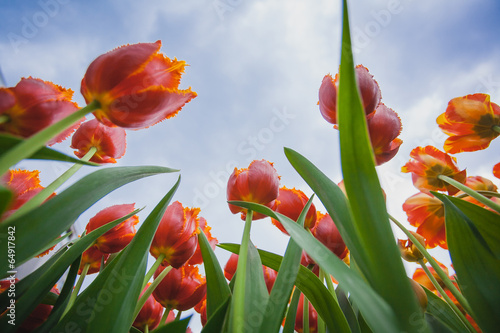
<point>150,314</point>
<point>92,257</point>
<point>136,86</point>
<point>384,128</point>
<point>197,259</point>
<point>291,202</point>
<point>34,104</point>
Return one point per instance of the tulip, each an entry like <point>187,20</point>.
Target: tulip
<point>150,314</point>
<point>291,202</point>
<point>409,251</point>
<point>119,236</point>
<point>180,289</point>
<point>109,142</point>
<point>299,319</point>
<point>176,238</point>
<point>231,265</point>
<point>259,183</point>
<point>197,258</point>
<point>384,128</point>
<point>135,86</point>
<point>328,91</point>
<point>92,258</point>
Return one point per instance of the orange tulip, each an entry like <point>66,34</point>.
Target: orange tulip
<point>259,183</point>
<point>180,289</point>
<point>422,278</point>
<point>409,251</point>
<point>327,233</point>
<point>426,212</point>
<point>368,87</point>
<point>290,203</point>
<point>428,164</point>
<point>197,258</point>
<point>93,257</point>
<point>34,104</point>
<point>384,128</point>
<point>150,314</point>
<point>177,235</point>
<point>496,170</point>
<point>136,86</point>
<point>119,236</point>
<point>478,183</point>
<point>471,121</point>
<point>109,141</point>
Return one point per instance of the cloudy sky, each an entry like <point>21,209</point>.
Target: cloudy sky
<point>257,66</point>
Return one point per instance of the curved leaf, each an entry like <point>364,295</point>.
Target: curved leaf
<point>7,142</point>
<point>37,228</point>
<point>115,291</point>
<point>177,326</point>
<point>438,308</point>
<point>476,267</point>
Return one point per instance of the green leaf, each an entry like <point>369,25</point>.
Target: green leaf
<point>291,315</point>
<point>375,310</point>
<point>285,280</point>
<point>439,309</point>
<point>476,267</point>
<point>347,309</point>
<point>215,322</point>
<point>177,326</point>
<point>6,196</point>
<point>387,274</point>
<point>8,142</point>
<point>40,285</point>
<point>115,291</point>
<point>485,221</point>
<point>436,325</point>
<point>217,288</point>
<point>37,228</point>
<point>311,287</point>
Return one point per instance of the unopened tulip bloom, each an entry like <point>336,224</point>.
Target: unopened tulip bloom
<point>119,236</point>
<point>259,183</point>
<point>428,164</point>
<point>328,94</point>
<point>136,86</point>
<point>150,314</point>
<point>426,212</point>
<point>181,288</point>
<point>34,104</point>
<point>471,121</point>
<point>109,142</point>
<point>290,203</point>
<point>384,128</point>
<point>409,251</point>
<point>176,238</point>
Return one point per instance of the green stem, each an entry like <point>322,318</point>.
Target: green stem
<point>496,128</point>
<point>163,320</point>
<point>305,315</point>
<point>448,300</point>
<point>485,193</point>
<point>153,269</point>
<point>150,290</point>
<point>329,283</point>
<point>238,304</point>
<point>146,329</point>
<point>29,146</point>
<point>77,287</point>
<point>481,198</point>
<point>47,192</point>
<point>444,277</point>
<point>178,317</point>
<point>292,312</point>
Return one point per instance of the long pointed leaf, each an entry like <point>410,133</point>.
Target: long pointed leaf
<point>476,267</point>
<point>115,291</point>
<point>42,225</point>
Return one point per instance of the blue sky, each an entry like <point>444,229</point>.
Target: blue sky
<point>257,66</point>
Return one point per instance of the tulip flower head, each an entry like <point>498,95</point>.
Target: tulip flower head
<point>471,121</point>
<point>496,170</point>
<point>177,235</point>
<point>150,314</point>
<point>426,212</point>
<point>181,288</point>
<point>384,128</point>
<point>478,183</point>
<point>119,236</point>
<point>408,250</point>
<point>34,104</point>
<point>94,258</point>
<point>259,183</point>
<point>232,263</point>
<point>109,141</point>
<point>136,86</point>
<point>328,92</point>
<point>290,203</point>
<point>299,319</point>
<point>427,164</point>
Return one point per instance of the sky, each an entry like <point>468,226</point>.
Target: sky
<point>257,67</point>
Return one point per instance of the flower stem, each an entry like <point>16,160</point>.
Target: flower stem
<point>146,329</point>
<point>496,128</point>
<point>163,320</point>
<point>77,287</point>
<point>47,192</point>
<point>481,198</point>
<point>153,269</point>
<point>448,300</point>
<point>444,277</point>
<point>178,316</point>
<point>329,283</point>
<point>4,119</point>
<point>150,290</point>
<point>305,315</point>
<point>29,146</point>
<point>238,304</point>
